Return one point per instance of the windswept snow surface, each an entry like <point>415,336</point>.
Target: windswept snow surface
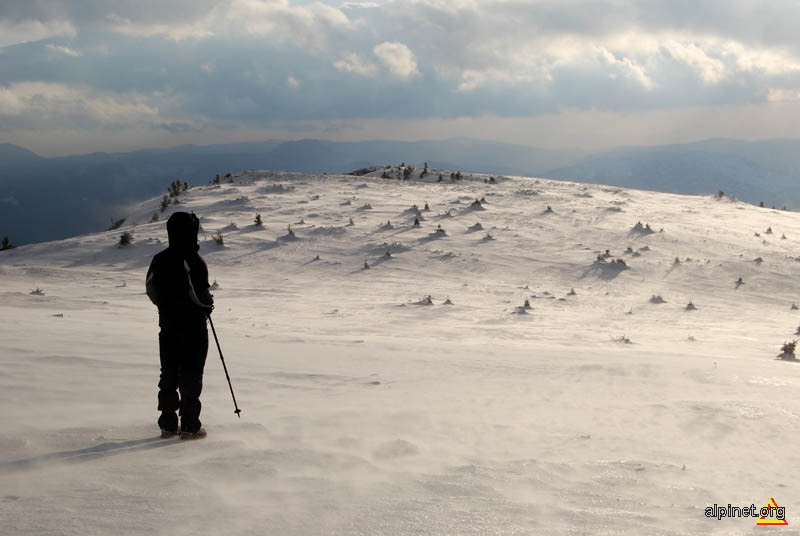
<point>370,409</point>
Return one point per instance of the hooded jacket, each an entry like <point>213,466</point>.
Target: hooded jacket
<point>177,280</point>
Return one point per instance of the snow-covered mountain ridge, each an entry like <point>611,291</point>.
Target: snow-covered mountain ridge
<point>418,394</point>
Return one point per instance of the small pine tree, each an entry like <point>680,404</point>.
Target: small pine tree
<point>164,202</point>
<point>366,264</point>
<point>175,188</point>
<point>258,221</point>
<point>416,221</point>
<point>155,217</point>
<point>6,244</point>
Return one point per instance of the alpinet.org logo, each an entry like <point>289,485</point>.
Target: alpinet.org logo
<point>769,514</point>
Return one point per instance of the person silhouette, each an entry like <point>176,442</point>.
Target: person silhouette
<point>177,283</point>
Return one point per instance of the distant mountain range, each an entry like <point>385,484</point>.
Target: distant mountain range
<point>53,198</point>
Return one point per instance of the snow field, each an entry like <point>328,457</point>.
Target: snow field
<point>367,410</point>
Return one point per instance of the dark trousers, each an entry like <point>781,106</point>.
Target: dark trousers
<point>183,357</point>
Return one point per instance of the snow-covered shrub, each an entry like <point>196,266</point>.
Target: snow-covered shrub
<point>642,229</point>
<point>219,239</point>
<point>116,224</point>
<point>125,239</point>
<point>787,350</point>
<point>155,217</point>
<point>657,299</point>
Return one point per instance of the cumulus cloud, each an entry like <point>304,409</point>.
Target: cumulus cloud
<point>783,95</point>
<point>31,30</point>
<point>42,103</point>
<point>354,63</point>
<point>397,58</point>
<point>64,50</point>
<point>314,26</point>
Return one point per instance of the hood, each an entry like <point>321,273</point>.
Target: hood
<point>182,228</point>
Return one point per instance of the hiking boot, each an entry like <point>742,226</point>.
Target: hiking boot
<point>168,434</point>
<point>201,433</point>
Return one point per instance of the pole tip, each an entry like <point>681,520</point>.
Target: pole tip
<point>238,413</point>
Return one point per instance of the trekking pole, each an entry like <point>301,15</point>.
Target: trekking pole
<point>237,411</point>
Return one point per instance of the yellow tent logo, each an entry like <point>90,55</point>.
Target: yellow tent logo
<point>772,514</point>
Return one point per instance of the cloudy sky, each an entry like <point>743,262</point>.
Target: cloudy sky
<point>91,75</point>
